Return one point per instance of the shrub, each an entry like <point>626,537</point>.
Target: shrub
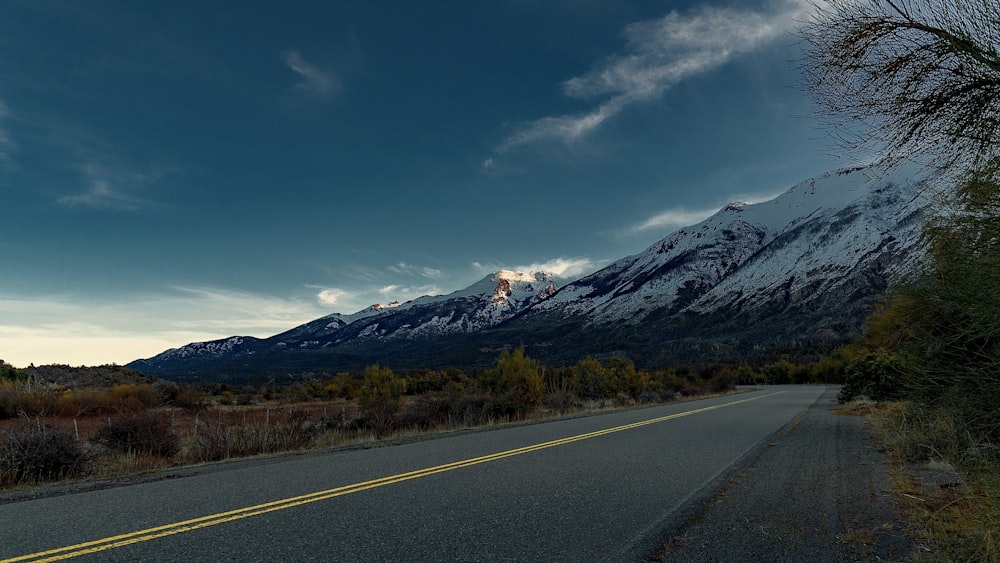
<point>381,397</point>
<point>139,432</point>
<point>470,409</point>
<point>426,411</point>
<point>873,375</point>
<point>34,454</point>
<point>522,376</point>
<point>561,401</point>
<point>133,395</point>
<point>239,440</point>
<point>590,379</point>
<point>722,382</point>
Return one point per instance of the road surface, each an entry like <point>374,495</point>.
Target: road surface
<point>600,488</point>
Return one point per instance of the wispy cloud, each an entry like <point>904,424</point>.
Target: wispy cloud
<point>659,54</point>
<point>108,188</point>
<point>313,80</point>
<point>412,270</point>
<point>677,217</point>
<point>7,145</point>
<point>399,292</point>
<point>401,281</point>
<point>672,219</point>
<point>69,329</point>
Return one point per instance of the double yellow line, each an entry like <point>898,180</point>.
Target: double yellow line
<point>148,534</point>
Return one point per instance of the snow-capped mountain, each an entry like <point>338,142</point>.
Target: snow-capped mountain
<point>486,303</point>
<point>799,272</point>
<point>792,251</point>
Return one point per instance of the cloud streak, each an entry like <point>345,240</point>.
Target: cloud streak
<point>7,145</point>
<point>659,54</point>
<point>104,189</point>
<point>313,80</point>
<point>677,217</point>
<point>65,329</point>
<point>566,268</point>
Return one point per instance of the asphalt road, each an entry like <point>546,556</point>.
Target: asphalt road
<point>600,488</point>
<point>819,493</point>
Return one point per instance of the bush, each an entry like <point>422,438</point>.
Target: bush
<point>380,397</point>
<point>426,411</point>
<point>874,375</point>
<point>226,441</point>
<point>522,376</point>
<point>142,433</point>
<point>470,409</point>
<point>25,397</point>
<point>34,454</point>
<point>722,382</point>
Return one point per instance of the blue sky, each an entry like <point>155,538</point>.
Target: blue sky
<point>183,171</point>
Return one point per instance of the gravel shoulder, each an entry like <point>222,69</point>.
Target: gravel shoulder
<point>818,492</point>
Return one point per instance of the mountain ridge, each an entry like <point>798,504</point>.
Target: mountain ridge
<point>801,270</point>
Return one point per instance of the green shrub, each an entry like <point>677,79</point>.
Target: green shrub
<point>522,376</point>
<point>875,375</point>
<point>380,397</point>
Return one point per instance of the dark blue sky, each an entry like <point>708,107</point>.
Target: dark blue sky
<point>184,171</point>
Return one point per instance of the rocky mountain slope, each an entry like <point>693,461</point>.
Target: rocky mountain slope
<point>487,303</point>
<point>802,270</point>
<point>797,273</point>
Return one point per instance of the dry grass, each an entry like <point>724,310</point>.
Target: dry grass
<point>144,440</point>
<point>949,494</point>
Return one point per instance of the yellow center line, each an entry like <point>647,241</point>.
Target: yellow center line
<point>148,534</point>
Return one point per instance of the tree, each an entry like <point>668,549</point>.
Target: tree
<point>590,379</point>
<point>909,78</point>
<point>521,375</point>
<point>950,315</point>
<point>8,371</point>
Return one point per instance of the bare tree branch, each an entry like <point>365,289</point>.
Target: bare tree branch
<point>908,79</point>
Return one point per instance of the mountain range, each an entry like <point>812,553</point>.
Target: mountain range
<point>797,274</point>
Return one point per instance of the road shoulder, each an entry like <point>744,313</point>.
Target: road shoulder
<point>817,492</point>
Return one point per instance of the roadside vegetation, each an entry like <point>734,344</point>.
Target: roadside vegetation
<point>58,422</point>
<point>919,81</point>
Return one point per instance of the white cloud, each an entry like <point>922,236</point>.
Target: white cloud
<point>431,273</point>
<point>403,293</point>
<point>673,219</point>
<point>333,296</point>
<point>677,217</point>
<point>659,54</point>
<point>313,80</point>
<point>63,329</point>
<point>566,268</point>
